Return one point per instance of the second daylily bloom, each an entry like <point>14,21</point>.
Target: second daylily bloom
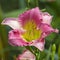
<point>27,55</point>
<point>30,28</point>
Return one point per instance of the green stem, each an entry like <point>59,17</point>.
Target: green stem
<point>59,52</point>
<point>28,5</point>
<point>29,48</point>
<point>37,54</point>
<point>37,3</point>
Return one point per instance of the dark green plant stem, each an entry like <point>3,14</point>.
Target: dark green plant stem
<point>29,48</point>
<point>37,4</point>
<point>38,55</point>
<point>28,4</point>
<point>59,52</point>
<point>36,52</point>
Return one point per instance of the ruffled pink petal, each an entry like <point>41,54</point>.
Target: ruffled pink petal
<point>27,55</point>
<point>13,23</point>
<point>47,29</point>
<point>39,44</point>
<point>33,14</point>
<point>16,39</point>
<point>47,18</point>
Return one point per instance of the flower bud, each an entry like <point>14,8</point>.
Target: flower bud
<point>53,47</point>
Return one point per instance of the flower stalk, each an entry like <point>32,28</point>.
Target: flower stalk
<point>30,49</point>
<point>37,3</point>
<point>59,52</point>
<point>38,55</point>
<point>36,52</point>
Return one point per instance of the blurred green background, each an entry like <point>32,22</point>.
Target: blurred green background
<point>12,8</point>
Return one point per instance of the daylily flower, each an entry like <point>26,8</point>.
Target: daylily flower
<point>27,55</point>
<point>30,28</point>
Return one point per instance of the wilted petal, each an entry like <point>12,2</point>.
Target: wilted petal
<point>33,14</point>
<point>47,18</point>
<point>27,55</point>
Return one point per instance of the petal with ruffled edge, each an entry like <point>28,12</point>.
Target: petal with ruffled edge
<point>39,44</point>
<point>47,18</point>
<point>27,55</point>
<point>15,38</point>
<point>33,14</point>
<point>47,29</point>
<point>13,23</point>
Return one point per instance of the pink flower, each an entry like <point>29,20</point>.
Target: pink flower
<point>30,28</point>
<point>27,55</point>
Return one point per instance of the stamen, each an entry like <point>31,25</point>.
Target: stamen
<point>31,31</point>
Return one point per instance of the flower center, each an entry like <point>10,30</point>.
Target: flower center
<point>31,31</point>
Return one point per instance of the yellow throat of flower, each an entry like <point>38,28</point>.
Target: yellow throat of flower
<point>31,31</point>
